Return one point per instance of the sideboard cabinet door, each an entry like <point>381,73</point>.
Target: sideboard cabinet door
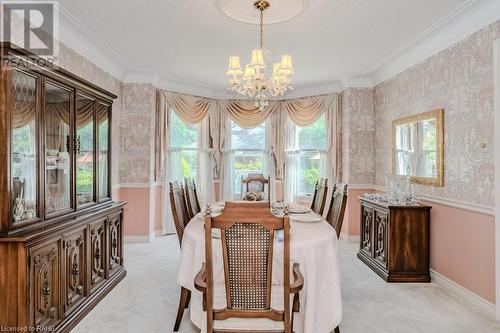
<point>115,248</point>
<point>74,263</point>
<point>44,268</point>
<point>366,229</point>
<point>97,253</point>
<point>380,237</point>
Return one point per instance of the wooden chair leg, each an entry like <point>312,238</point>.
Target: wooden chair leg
<point>337,329</point>
<point>183,303</point>
<point>188,299</point>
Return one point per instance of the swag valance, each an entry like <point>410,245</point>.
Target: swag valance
<point>302,111</point>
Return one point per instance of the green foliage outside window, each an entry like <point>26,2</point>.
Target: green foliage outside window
<point>84,180</point>
<point>182,135</point>
<point>249,164</point>
<point>311,138</point>
<point>188,164</point>
<point>314,136</point>
<point>310,176</point>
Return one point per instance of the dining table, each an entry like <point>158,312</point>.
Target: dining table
<point>313,245</point>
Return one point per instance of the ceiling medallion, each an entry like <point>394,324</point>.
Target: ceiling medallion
<point>253,82</point>
<point>281,10</point>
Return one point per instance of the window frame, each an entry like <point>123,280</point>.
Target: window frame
<point>300,192</point>
<point>236,191</point>
<point>181,149</point>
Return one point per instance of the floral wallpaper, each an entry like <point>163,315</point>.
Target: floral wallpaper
<point>460,80</point>
<point>358,136</point>
<point>138,122</point>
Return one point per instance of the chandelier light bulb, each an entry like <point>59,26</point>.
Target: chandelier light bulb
<point>234,68</point>
<point>286,66</point>
<point>257,60</point>
<point>249,72</point>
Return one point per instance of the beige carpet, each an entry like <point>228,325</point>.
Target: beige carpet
<point>146,301</point>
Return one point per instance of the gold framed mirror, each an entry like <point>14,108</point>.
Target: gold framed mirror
<point>418,148</point>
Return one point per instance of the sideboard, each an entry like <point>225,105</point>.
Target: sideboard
<point>61,234</point>
<point>394,240</point>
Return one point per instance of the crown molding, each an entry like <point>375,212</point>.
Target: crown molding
<point>464,21</point>
<point>79,38</point>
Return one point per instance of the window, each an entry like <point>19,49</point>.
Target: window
<point>311,143</point>
<point>184,149</point>
<point>248,154</point>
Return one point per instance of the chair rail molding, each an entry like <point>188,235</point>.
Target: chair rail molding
<point>497,173</point>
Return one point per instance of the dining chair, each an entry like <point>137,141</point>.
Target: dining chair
<point>337,208</point>
<point>256,182</point>
<point>246,205</point>
<point>247,240</point>
<point>320,194</point>
<point>181,220</point>
<point>192,202</point>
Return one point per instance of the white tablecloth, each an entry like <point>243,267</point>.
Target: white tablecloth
<point>313,246</point>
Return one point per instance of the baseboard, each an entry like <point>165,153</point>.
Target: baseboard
<point>454,288</point>
<point>139,238</point>
<point>159,233</point>
<point>349,238</point>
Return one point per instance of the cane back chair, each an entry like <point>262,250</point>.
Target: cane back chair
<point>192,201</point>
<point>181,220</point>
<point>320,194</point>
<point>337,208</point>
<point>247,238</point>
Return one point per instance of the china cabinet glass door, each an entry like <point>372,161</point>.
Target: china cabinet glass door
<point>24,147</point>
<point>84,149</point>
<point>58,142</point>
<point>103,135</point>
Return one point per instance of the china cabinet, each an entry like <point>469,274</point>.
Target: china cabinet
<point>61,235</point>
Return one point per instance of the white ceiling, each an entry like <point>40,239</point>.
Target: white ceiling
<point>188,42</point>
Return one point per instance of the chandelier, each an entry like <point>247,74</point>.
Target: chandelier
<point>253,82</point>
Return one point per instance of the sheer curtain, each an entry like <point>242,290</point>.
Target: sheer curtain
<point>292,162</point>
<point>165,117</point>
<point>269,160</point>
<point>227,160</point>
<point>205,170</point>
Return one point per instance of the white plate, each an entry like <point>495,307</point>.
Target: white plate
<point>307,218</point>
<point>298,209</point>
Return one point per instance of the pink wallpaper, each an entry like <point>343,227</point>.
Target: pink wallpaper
<point>138,122</point>
<point>357,136</point>
<point>460,80</point>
